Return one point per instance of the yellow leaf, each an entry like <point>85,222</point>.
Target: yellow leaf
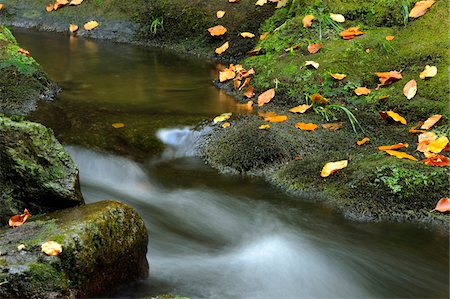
<point>217,30</point>
<point>247,35</point>
<point>420,8</point>
<point>220,14</point>
<point>76,2</point>
<point>300,109</point>
<point>51,248</point>
<point>337,18</point>
<point>338,76</point>
<point>264,127</point>
<point>2,6</point>
<point>400,155</point>
<point>226,75</point>
<point>410,89</point>
<point>396,117</point>
<point>391,147</point>
<point>260,2</point>
<point>90,25</point>
<point>222,48</point>
<point>222,117</point>
<point>305,126</point>
<point>428,72</point>
<point>281,3</point>
<point>307,21</point>
<point>118,125</point>
<point>266,97</point>
<point>226,125</point>
<point>312,63</point>
<point>362,91</point>
<point>361,142</point>
<point>438,145</point>
<point>331,167</point>
<point>431,121</point>
<point>63,2</point>
<point>73,28</point>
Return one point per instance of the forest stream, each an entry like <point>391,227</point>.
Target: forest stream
<point>213,235</point>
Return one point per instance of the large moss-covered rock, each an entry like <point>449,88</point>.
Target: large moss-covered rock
<point>22,82</point>
<point>104,244</point>
<point>35,171</point>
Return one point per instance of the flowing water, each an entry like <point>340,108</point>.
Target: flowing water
<point>211,235</point>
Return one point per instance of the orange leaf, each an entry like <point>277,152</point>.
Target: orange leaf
<point>266,114</point>
<point>49,7</point>
<point>307,21</point>
<point>306,127</point>
<point>73,28</point>
<point>2,6</point>
<point>226,125</point>
<point>420,8</point>
<point>23,51</point>
<point>443,205</point>
<point>266,97</point>
<point>332,126</point>
<point>300,109</point>
<point>262,37</point>
<point>314,48</point>
<point>51,248</point>
<point>18,220</point>
<point>331,167</point>
<point>437,160</point>
<point>387,78</point>
<point>217,30</point>
<point>292,48</point>
<point>431,121</point>
<point>362,91</point>
<point>391,147</point>
<point>90,25</point>
<point>438,145</point>
<point>390,37</point>
<point>264,127</point>
<point>351,33</point>
<point>247,35</point>
<point>222,48</point>
<point>400,155</point>
<point>414,129</point>
<point>246,82</point>
<point>276,119</point>
<point>318,98</point>
<point>424,140</point>
<point>361,142</point>
<point>220,14</point>
<point>338,76</point>
<point>118,125</point>
<point>57,5</point>
<point>249,93</point>
<point>226,75</point>
<point>410,89</point>
<point>396,117</point>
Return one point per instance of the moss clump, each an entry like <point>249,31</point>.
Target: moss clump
<point>46,278</point>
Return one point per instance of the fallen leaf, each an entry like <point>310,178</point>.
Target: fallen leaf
<point>424,140</point>
<point>63,2</point>
<point>247,35</point>
<point>220,14</point>
<point>428,72</point>
<point>262,37</point>
<point>226,125</point>
<point>217,30</point>
<point>300,109</point>
<point>362,91</point>
<point>438,145</point>
<point>260,2</point>
<point>307,21</point>
<point>400,155</point>
<point>23,51</point>
<point>21,247</point>
<point>90,25</point>
<point>414,129</point>
<point>249,92</point>
<point>281,3</point>
<point>390,37</point>
<point>222,48</point>
<point>57,5</point>
<point>276,119</point>
<point>443,205</point>
<point>318,98</point>
<point>363,141</point>
<point>266,114</point>
<point>222,117</point>
<point>305,126</point>
<point>351,33</point>
<point>410,89</point>
<point>236,84</point>
<point>226,75</point>
<point>51,248</point>
<point>73,28</point>
<point>292,48</point>
<point>312,63</point>
<point>76,2</point>
<point>2,6</point>
<point>247,106</point>
<point>246,82</point>
<point>420,8</point>
<point>314,48</point>
<point>431,121</point>
<point>234,1</point>
<point>337,18</point>
<point>332,126</point>
<point>396,117</point>
<point>437,160</point>
<point>387,78</point>
<point>118,125</point>
<point>332,167</point>
<point>266,97</point>
<point>392,147</point>
<point>255,51</point>
<point>338,76</point>
<point>49,7</point>
<point>18,220</point>
<point>264,127</point>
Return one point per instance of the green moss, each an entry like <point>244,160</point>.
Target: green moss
<point>46,278</point>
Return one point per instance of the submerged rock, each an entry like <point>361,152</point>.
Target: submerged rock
<point>103,244</point>
<point>35,171</point>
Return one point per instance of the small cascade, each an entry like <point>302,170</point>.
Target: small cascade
<point>181,142</point>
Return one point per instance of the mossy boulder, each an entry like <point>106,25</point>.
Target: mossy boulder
<point>22,82</point>
<point>103,245</point>
<point>35,171</point>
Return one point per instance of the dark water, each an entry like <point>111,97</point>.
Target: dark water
<point>216,236</point>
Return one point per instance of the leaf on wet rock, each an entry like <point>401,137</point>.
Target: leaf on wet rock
<point>351,33</point>
<point>249,93</point>
<point>392,147</point>
<point>222,117</point>
<point>217,30</point>
<point>314,48</point>
<point>362,91</point>
<point>276,118</point>
<point>49,7</point>
<point>266,97</point>
<point>57,6</point>
<point>437,160</point>
<point>236,84</point>
<point>438,145</point>
<point>431,121</point>
<point>332,126</point>
<point>226,125</point>
<point>264,127</point>
<point>395,116</point>
<point>76,2</point>
<point>332,167</point>
<point>312,63</point>
<point>51,248</point>
<point>233,1</point>
<point>300,109</point>
<point>90,25</point>
<point>73,28</point>
<point>18,220</point>
<point>387,78</point>
<point>222,48</point>
<point>247,35</point>
<point>118,125</point>
<point>292,48</point>
<point>307,21</point>
<point>410,89</point>
<point>363,141</point>
<point>246,82</point>
<point>400,155</point>
<point>338,76</point>
<point>420,8</point>
<point>306,126</point>
<point>337,18</point>
<point>226,75</point>
<point>220,14</point>
<point>428,72</point>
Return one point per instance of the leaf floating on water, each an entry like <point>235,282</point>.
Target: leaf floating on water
<point>276,119</point>
<point>410,89</point>
<point>337,18</point>
<point>264,127</point>
<point>431,121</point>
<point>363,141</point>
<point>443,205</point>
<point>222,48</point>
<point>247,35</point>
<point>220,14</point>
<point>395,116</point>
<point>362,91</point>
<point>73,28</point>
<point>332,167</point>
<point>217,30</point>
<point>51,248</point>
<point>437,160</point>
<point>90,25</point>
<point>420,8</point>
<point>338,76</point>
<point>305,126</point>
<point>400,155</point>
<point>392,147</point>
<point>428,72</point>
<point>266,97</point>
<point>438,145</point>
<point>222,117</point>
<point>312,63</point>
<point>18,220</point>
<point>300,109</point>
<point>333,126</point>
<point>314,48</point>
<point>307,21</point>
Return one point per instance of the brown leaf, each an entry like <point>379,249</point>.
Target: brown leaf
<point>431,121</point>
<point>23,51</point>
<point>420,8</point>
<point>391,147</point>
<point>387,78</point>
<point>255,51</point>
<point>236,84</point>
<point>300,109</point>
<point>18,220</point>
<point>49,7</point>
<point>307,21</point>
<point>266,97</point>
<point>437,160</point>
<point>249,92</point>
<point>414,129</point>
<point>332,167</point>
<point>246,82</point>
<point>363,141</point>
<point>217,30</point>
<point>318,98</point>
<point>332,126</point>
<point>305,126</point>
<point>362,91</point>
<point>314,48</point>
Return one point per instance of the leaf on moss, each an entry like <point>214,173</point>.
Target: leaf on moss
<point>363,141</point>
<point>300,109</point>
<point>420,8</point>
<point>333,126</point>
<point>431,121</point>
<point>362,91</point>
<point>410,89</point>
<point>337,18</point>
<point>318,98</point>
<point>312,63</point>
<point>428,72</point>
<point>226,125</point>
<point>314,48</point>
<point>392,147</point>
<point>387,78</point>
<point>437,160</point>
<point>338,76</point>
<point>424,140</point>
<point>276,119</point>
<point>220,14</point>
<point>264,127</point>
<point>395,116</point>
<point>307,21</point>
<point>118,125</point>
<point>222,48</point>
<point>51,248</point>
<point>266,97</point>
<point>217,30</point>
<point>400,155</point>
<point>332,167</point>
<point>390,37</point>
<point>18,220</point>
<point>306,126</point>
<point>351,33</point>
<point>438,145</point>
